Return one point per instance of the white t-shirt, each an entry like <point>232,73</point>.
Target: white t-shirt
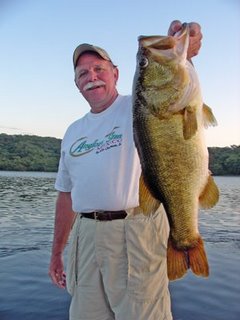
<point>99,163</point>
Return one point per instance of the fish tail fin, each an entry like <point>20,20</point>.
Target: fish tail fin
<point>147,202</point>
<point>190,125</point>
<point>208,117</point>
<point>177,264</point>
<point>197,259</point>
<point>210,195</point>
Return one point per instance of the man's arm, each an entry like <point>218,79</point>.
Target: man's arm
<point>64,219</point>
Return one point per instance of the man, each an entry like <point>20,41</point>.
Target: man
<point>117,260</point>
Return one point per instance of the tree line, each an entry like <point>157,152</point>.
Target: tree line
<point>34,153</point>
<point>29,153</point>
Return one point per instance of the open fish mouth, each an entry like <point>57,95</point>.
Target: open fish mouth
<point>155,43</point>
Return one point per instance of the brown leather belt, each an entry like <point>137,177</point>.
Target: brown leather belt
<point>105,215</point>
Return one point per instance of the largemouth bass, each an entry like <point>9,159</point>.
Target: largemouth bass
<point>168,122</point>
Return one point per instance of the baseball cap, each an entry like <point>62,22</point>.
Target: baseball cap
<point>89,47</point>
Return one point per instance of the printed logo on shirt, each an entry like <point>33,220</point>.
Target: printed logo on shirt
<point>83,146</point>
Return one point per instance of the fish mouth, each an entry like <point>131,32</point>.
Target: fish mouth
<point>155,44</point>
<point>163,42</point>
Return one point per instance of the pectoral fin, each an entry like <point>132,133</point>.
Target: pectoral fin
<point>210,194</point>
<point>190,125</point>
<point>147,202</point>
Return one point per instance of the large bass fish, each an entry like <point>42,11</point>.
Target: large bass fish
<point>168,122</point>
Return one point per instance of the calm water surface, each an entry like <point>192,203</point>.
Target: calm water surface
<point>27,202</point>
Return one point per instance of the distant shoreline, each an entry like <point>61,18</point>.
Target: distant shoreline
<point>32,153</point>
<point>55,172</point>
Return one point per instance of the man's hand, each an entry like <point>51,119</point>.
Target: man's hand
<point>56,272</point>
<point>64,219</point>
<point>194,39</point>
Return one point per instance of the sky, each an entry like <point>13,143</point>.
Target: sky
<point>37,92</point>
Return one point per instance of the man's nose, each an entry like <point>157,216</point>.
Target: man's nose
<point>92,75</point>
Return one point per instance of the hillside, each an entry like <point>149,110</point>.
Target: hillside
<point>29,153</point>
<point>34,153</point>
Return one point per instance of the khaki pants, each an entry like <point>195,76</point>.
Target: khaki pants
<point>117,269</point>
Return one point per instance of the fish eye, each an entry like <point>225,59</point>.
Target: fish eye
<point>143,62</point>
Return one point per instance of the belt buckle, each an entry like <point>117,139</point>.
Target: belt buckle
<point>95,213</point>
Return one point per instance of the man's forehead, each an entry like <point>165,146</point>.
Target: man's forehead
<point>89,55</point>
<point>89,62</point>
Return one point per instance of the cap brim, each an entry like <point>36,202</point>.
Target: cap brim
<point>88,47</point>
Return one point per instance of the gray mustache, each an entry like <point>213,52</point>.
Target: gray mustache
<point>93,84</point>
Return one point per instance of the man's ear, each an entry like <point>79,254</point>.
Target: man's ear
<point>116,74</point>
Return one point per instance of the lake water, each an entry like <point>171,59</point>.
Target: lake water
<point>27,202</point>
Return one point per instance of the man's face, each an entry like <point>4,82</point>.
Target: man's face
<point>96,79</point>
